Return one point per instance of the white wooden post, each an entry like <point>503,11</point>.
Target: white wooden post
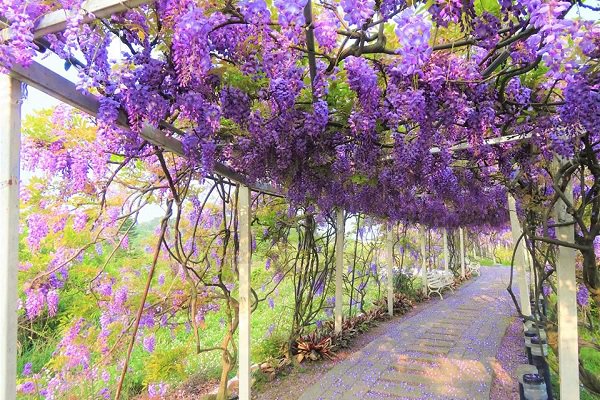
<point>462,252</point>
<point>389,252</point>
<point>339,269</point>
<point>529,269</point>
<point>445,235</point>
<point>568,347</point>
<point>10,141</point>
<point>519,258</point>
<point>423,258</point>
<point>244,265</point>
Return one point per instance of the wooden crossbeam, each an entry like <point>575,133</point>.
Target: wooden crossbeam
<point>66,91</point>
<point>56,21</point>
<point>490,142</point>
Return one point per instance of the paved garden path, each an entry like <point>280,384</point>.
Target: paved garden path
<point>443,352</point>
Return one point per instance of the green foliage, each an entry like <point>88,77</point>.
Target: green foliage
<point>504,255</point>
<point>38,354</point>
<point>271,346</point>
<point>234,77</point>
<point>486,262</point>
<point>165,364</point>
<point>341,97</point>
<point>491,6</point>
<point>406,284</point>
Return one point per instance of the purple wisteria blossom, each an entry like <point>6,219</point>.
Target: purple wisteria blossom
<point>149,343</point>
<point>413,32</point>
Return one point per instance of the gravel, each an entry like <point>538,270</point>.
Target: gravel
<point>510,354</point>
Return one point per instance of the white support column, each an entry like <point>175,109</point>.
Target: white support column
<point>339,269</point>
<point>529,269</point>
<point>10,141</point>
<point>423,258</point>
<point>389,259</point>
<point>462,252</point>
<point>519,258</point>
<point>445,236</point>
<point>568,347</point>
<point>244,265</point>
<point>492,253</point>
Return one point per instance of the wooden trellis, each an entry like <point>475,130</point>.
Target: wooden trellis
<point>64,90</point>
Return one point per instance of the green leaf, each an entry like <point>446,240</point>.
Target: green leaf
<point>491,6</point>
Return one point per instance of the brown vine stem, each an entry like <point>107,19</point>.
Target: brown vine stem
<point>163,230</point>
<point>561,243</point>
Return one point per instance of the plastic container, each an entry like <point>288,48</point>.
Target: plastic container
<point>534,387</point>
<point>543,334</point>
<point>539,347</point>
<point>528,335</point>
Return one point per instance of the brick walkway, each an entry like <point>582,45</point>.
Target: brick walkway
<point>443,352</point>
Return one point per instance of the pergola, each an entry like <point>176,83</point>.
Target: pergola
<point>64,90</point>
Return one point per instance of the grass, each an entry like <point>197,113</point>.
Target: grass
<point>589,357</point>
<point>486,262</point>
<point>584,394</point>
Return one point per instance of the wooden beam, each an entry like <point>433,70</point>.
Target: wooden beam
<point>66,91</point>
<point>10,142</point>
<point>56,21</point>
<point>244,269</point>
<point>487,142</point>
<point>340,229</point>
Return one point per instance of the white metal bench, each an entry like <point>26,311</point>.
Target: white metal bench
<point>474,268</point>
<point>438,281</point>
<point>449,278</point>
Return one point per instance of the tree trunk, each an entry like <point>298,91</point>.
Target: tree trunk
<point>223,394</point>
<point>591,274</point>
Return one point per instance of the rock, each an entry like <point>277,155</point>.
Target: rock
<point>214,391</point>
<point>233,384</point>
